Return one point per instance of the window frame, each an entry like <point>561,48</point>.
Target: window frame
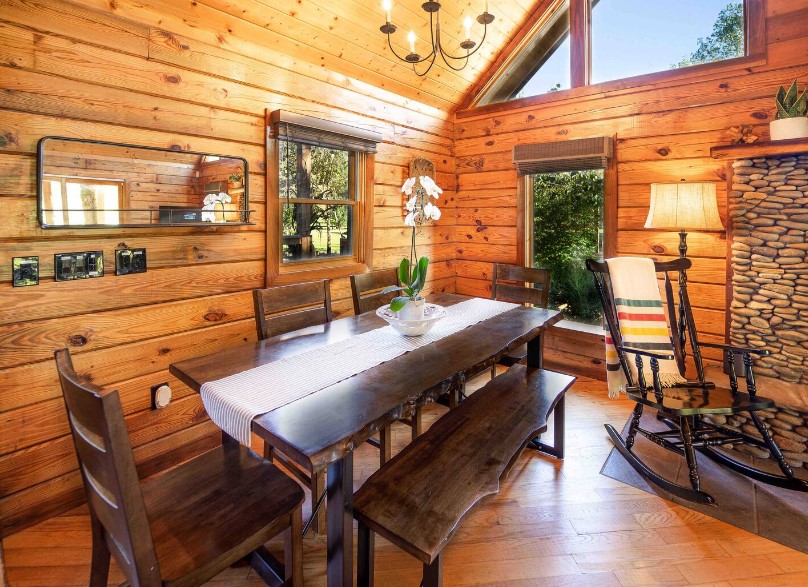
<point>64,180</point>
<point>361,259</point>
<point>580,59</point>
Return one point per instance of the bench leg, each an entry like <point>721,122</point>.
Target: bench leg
<point>433,574</point>
<point>385,445</point>
<point>417,422</point>
<point>557,450</point>
<point>364,557</point>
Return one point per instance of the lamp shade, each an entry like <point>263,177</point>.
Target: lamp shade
<point>684,206</point>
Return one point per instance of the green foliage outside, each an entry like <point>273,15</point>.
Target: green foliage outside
<point>725,42</point>
<point>567,221</point>
<point>328,178</point>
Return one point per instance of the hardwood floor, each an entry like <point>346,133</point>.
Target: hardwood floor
<point>552,524</point>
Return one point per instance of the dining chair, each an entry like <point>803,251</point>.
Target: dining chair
<point>366,291</point>
<point>186,525</point>
<point>282,309</point>
<point>522,285</point>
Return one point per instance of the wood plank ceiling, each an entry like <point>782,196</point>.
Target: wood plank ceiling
<point>340,39</point>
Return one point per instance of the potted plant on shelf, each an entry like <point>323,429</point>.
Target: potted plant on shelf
<point>412,270</point>
<point>790,120</point>
<point>236,180</point>
<point>218,208</point>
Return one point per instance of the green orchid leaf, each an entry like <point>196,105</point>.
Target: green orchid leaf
<point>391,289</point>
<point>423,264</point>
<point>397,303</point>
<point>404,271</point>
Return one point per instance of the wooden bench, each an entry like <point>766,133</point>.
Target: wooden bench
<point>417,499</point>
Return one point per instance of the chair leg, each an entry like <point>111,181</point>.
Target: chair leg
<point>317,488</point>
<point>433,574</point>
<point>364,557</point>
<point>690,453</point>
<point>635,423</point>
<point>772,446</point>
<point>99,569</point>
<point>385,445</point>
<point>417,422</point>
<point>293,550</point>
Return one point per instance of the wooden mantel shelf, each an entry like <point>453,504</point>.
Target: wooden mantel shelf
<point>762,149</point>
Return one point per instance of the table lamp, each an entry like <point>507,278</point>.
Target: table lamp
<point>681,206</point>
<point>684,206</point>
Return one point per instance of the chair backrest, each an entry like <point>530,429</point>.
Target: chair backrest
<point>284,308</point>
<point>109,474</point>
<point>681,325</point>
<point>535,293</point>
<point>366,289</point>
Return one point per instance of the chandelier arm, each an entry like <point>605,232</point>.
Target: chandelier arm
<point>426,71</point>
<point>393,51</point>
<point>444,54</point>
<point>449,65</point>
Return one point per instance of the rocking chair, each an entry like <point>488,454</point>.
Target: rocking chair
<point>682,408</point>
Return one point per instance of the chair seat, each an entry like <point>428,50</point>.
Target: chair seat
<point>692,401</point>
<point>203,509</point>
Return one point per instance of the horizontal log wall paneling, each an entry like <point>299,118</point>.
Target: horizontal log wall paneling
<point>664,133</point>
<point>192,76</point>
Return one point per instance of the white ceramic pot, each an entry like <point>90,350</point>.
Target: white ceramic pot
<point>789,128</point>
<point>412,310</point>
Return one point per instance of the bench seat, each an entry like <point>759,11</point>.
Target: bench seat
<point>417,500</point>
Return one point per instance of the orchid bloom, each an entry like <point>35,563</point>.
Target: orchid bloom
<point>408,185</point>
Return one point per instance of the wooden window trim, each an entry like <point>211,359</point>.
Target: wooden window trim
<point>278,273</point>
<point>580,58</point>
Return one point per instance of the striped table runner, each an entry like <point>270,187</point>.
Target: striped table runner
<point>642,321</point>
<point>233,402</point>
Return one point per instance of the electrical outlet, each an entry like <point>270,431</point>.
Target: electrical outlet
<point>160,396</point>
<point>25,271</point>
<point>69,266</point>
<point>130,261</point>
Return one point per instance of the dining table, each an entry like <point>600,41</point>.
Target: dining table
<point>321,430</point>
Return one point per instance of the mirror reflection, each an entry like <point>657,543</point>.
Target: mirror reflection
<point>94,184</point>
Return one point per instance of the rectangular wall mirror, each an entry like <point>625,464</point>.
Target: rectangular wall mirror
<point>94,184</point>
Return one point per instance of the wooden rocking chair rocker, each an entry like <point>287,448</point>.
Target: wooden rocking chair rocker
<point>683,407</point>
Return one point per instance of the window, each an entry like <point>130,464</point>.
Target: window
<point>585,42</point>
<point>320,195</point>
<point>77,201</point>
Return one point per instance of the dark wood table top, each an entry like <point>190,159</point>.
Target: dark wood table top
<point>324,426</point>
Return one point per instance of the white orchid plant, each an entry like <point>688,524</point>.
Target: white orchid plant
<point>209,207</point>
<point>420,209</point>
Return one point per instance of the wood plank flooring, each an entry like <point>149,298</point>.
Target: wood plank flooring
<point>552,524</point>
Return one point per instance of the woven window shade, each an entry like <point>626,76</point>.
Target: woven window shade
<point>574,155</point>
<point>299,128</point>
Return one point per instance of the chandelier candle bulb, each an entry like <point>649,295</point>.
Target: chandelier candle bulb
<point>387,6</point>
<point>411,38</point>
<point>467,24</point>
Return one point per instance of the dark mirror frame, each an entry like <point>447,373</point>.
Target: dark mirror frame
<point>182,212</point>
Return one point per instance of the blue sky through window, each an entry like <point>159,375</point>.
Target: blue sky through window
<point>633,37</point>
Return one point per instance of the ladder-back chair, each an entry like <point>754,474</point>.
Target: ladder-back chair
<point>683,407</point>
<point>170,530</point>
<point>521,285</point>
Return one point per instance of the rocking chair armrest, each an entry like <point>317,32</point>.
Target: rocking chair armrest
<point>737,349</point>
<point>661,356</point>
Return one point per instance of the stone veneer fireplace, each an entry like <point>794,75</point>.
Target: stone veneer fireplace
<point>768,218</point>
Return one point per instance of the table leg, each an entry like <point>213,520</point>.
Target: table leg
<point>339,515</point>
<point>534,352</point>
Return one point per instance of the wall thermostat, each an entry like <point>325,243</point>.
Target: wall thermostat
<point>130,261</point>
<point>25,271</point>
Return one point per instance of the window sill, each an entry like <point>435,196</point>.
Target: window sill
<point>315,270</point>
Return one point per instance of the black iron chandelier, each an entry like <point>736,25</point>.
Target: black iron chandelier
<point>433,8</point>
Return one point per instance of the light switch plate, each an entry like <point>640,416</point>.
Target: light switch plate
<point>130,261</point>
<point>25,271</point>
<point>70,266</point>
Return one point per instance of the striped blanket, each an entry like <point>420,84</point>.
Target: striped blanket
<point>642,322</point>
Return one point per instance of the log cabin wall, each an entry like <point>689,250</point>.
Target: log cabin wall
<point>186,76</point>
<point>664,133</point>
